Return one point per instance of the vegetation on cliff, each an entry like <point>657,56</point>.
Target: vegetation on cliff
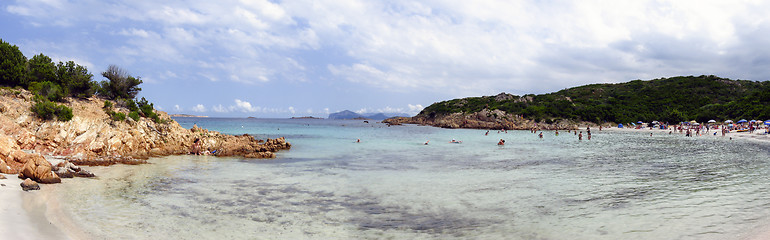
<point>51,83</point>
<point>671,100</point>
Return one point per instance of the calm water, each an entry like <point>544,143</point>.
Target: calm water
<point>619,185</point>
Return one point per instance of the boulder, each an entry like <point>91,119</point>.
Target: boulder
<point>4,168</point>
<point>38,169</point>
<point>28,184</point>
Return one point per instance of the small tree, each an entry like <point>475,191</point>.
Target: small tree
<point>48,90</point>
<point>119,84</point>
<point>12,65</point>
<point>75,79</point>
<point>40,68</point>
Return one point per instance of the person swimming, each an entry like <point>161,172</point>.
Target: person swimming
<point>455,141</point>
<point>501,142</point>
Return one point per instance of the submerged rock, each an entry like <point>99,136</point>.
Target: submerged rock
<point>28,184</point>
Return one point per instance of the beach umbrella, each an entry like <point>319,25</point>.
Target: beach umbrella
<point>728,121</point>
<point>639,122</point>
<point>767,122</point>
<point>712,121</point>
<point>742,121</point>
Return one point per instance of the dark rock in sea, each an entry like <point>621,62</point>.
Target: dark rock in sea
<point>28,184</point>
<point>64,173</point>
<point>67,169</point>
<point>84,173</point>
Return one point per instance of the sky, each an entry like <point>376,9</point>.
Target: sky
<point>275,59</point>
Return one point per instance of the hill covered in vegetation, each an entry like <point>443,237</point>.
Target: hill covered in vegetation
<point>670,100</point>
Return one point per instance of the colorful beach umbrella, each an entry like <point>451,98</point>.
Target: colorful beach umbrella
<point>742,121</point>
<point>712,121</point>
<point>640,122</point>
<point>728,121</point>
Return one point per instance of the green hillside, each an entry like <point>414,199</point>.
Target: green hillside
<point>671,100</point>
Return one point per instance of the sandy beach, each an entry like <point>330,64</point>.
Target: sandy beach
<point>24,213</point>
<point>756,136</point>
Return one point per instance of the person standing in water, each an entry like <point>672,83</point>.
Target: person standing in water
<point>580,136</point>
<point>541,134</point>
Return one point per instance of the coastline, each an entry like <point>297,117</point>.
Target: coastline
<point>36,214</point>
<point>757,136</point>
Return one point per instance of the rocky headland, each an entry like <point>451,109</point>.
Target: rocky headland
<point>92,137</point>
<point>484,119</point>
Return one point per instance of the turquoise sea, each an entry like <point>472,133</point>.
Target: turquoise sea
<point>619,185</point>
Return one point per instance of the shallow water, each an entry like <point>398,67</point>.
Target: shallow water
<point>619,185</point>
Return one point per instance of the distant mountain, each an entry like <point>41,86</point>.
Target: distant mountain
<point>347,114</point>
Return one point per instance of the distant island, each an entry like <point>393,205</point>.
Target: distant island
<point>186,115</point>
<point>306,117</point>
<point>350,115</point>
<point>671,100</point>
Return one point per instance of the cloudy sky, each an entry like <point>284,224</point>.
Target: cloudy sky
<point>296,58</point>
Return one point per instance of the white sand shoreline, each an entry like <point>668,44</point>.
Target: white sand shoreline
<point>24,214</point>
<point>755,136</point>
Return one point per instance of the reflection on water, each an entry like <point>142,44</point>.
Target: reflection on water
<point>619,185</point>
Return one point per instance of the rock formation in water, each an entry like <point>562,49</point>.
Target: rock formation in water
<point>93,138</point>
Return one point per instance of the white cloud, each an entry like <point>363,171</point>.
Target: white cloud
<point>415,108</point>
<point>220,109</point>
<point>177,108</point>
<point>244,106</point>
<point>448,47</point>
<point>199,108</point>
<point>291,110</point>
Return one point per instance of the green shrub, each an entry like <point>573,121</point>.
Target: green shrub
<point>45,109</point>
<point>134,115</point>
<point>118,116</point>
<point>131,105</point>
<point>64,113</point>
<point>48,110</point>
<point>147,108</point>
<point>107,104</point>
<point>49,90</point>
<point>119,84</point>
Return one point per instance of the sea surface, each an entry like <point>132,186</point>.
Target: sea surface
<point>618,185</point>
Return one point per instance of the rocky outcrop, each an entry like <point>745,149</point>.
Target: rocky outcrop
<point>28,184</point>
<point>38,169</point>
<point>93,138</point>
<point>484,119</point>
<point>66,169</point>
